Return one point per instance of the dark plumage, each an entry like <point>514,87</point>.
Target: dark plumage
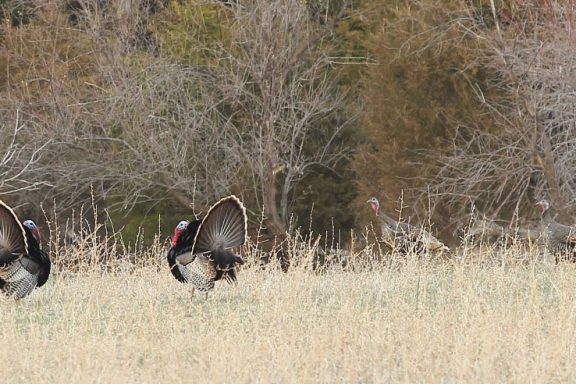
<point>23,265</point>
<point>182,243</point>
<point>200,252</point>
<point>560,238</point>
<point>408,237</point>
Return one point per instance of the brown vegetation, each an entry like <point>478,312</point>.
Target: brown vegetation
<point>305,110</point>
<point>157,106</point>
<point>251,113</point>
<point>527,152</point>
<point>491,316</point>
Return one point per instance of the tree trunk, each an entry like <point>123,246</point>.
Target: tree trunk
<point>275,226</point>
<point>273,221</point>
<point>546,163</point>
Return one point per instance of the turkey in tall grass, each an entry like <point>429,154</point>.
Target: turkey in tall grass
<point>201,251</point>
<point>23,265</point>
<point>405,237</point>
<point>560,238</point>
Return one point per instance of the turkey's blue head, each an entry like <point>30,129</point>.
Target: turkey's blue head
<point>181,227</point>
<point>33,229</point>
<point>375,204</point>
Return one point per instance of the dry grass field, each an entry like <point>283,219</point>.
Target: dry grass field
<point>495,318</point>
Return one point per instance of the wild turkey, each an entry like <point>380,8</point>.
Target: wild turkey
<point>484,231</point>
<point>409,238</point>
<point>23,265</point>
<point>560,238</point>
<point>200,253</point>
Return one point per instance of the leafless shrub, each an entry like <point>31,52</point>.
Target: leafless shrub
<point>530,152</point>
<point>19,160</point>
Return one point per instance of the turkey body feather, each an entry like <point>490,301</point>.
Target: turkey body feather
<point>410,238</point>
<point>560,238</point>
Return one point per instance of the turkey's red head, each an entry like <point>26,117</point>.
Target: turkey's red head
<point>374,204</point>
<point>181,227</point>
<point>33,229</point>
<point>544,205</point>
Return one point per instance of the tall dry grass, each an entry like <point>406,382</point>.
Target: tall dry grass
<point>482,316</point>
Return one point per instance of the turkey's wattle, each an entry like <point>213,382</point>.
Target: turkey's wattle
<point>180,228</point>
<point>33,229</point>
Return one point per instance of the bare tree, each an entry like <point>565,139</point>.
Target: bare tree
<point>142,128</point>
<point>281,90</point>
<point>530,152</point>
<point>161,137</point>
<point>19,160</point>
<point>96,118</point>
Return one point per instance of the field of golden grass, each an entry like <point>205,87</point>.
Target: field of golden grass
<point>502,318</point>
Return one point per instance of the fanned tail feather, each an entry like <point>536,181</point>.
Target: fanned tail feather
<point>12,236</point>
<point>223,227</point>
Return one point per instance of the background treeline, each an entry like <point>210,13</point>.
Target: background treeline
<point>303,108</point>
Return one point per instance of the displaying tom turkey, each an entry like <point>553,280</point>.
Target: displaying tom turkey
<point>560,239</point>
<point>23,265</point>
<point>201,249</point>
<point>406,237</point>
